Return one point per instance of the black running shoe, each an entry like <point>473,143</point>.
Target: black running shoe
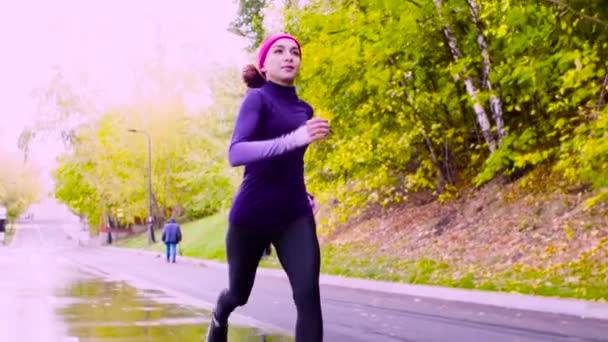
<point>217,332</point>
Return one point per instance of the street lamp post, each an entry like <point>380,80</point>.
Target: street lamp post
<point>149,221</point>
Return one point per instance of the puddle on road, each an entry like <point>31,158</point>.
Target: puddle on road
<point>103,311</point>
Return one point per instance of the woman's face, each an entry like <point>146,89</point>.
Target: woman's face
<point>282,62</point>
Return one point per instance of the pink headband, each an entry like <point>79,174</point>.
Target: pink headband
<point>268,43</point>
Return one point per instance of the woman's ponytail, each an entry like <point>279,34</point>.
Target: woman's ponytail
<point>252,77</point>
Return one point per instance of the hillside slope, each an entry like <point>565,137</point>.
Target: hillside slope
<point>528,236</point>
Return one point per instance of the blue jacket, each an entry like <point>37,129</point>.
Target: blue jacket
<point>172,232</point>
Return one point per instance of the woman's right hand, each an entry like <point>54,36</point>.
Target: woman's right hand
<point>318,128</point>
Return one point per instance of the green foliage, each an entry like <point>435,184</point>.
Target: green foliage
<point>515,154</point>
<point>106,167</point>
<point>402,120</point>
<point>584,157</point>
<point>20,186</point>
<point>250,21</point>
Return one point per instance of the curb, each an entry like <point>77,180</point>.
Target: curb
<point>552,305</point>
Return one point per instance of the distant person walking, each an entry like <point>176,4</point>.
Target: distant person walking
<point>172,236</point>
<point>272,132</point>
<point>3,219</point>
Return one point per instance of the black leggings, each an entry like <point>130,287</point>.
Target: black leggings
<point>297,247</point>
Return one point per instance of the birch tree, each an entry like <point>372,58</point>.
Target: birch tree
<point>495,102</point>
<point>480,112</point>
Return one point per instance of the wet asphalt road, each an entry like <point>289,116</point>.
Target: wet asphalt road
<point>48,295</point>
<point>350,315</point>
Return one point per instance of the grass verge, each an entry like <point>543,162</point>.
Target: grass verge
<point>203,238</point>
<point>585,278</point>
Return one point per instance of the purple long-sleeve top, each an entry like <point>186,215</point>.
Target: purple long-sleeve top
<point>270,140</point>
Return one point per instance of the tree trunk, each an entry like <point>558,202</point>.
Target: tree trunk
<point>495,102</point>
<point>482,117</point>
<point>442,180</point>
<point>427,141</point>
<point>602,101</point>
<point>446,163</point>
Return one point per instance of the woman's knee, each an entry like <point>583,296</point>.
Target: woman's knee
<point>308,295</point>
<point>236,298</point>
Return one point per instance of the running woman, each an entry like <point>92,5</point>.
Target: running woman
<point>272,132</point>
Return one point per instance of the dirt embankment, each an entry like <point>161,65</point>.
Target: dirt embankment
<point>539,225</point>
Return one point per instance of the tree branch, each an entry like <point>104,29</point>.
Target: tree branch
<point>414,3</point>
<point>338,31</point>
<point>573,11</point>
<point>602,100</point>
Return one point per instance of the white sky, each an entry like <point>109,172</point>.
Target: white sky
<point>102,40</point>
